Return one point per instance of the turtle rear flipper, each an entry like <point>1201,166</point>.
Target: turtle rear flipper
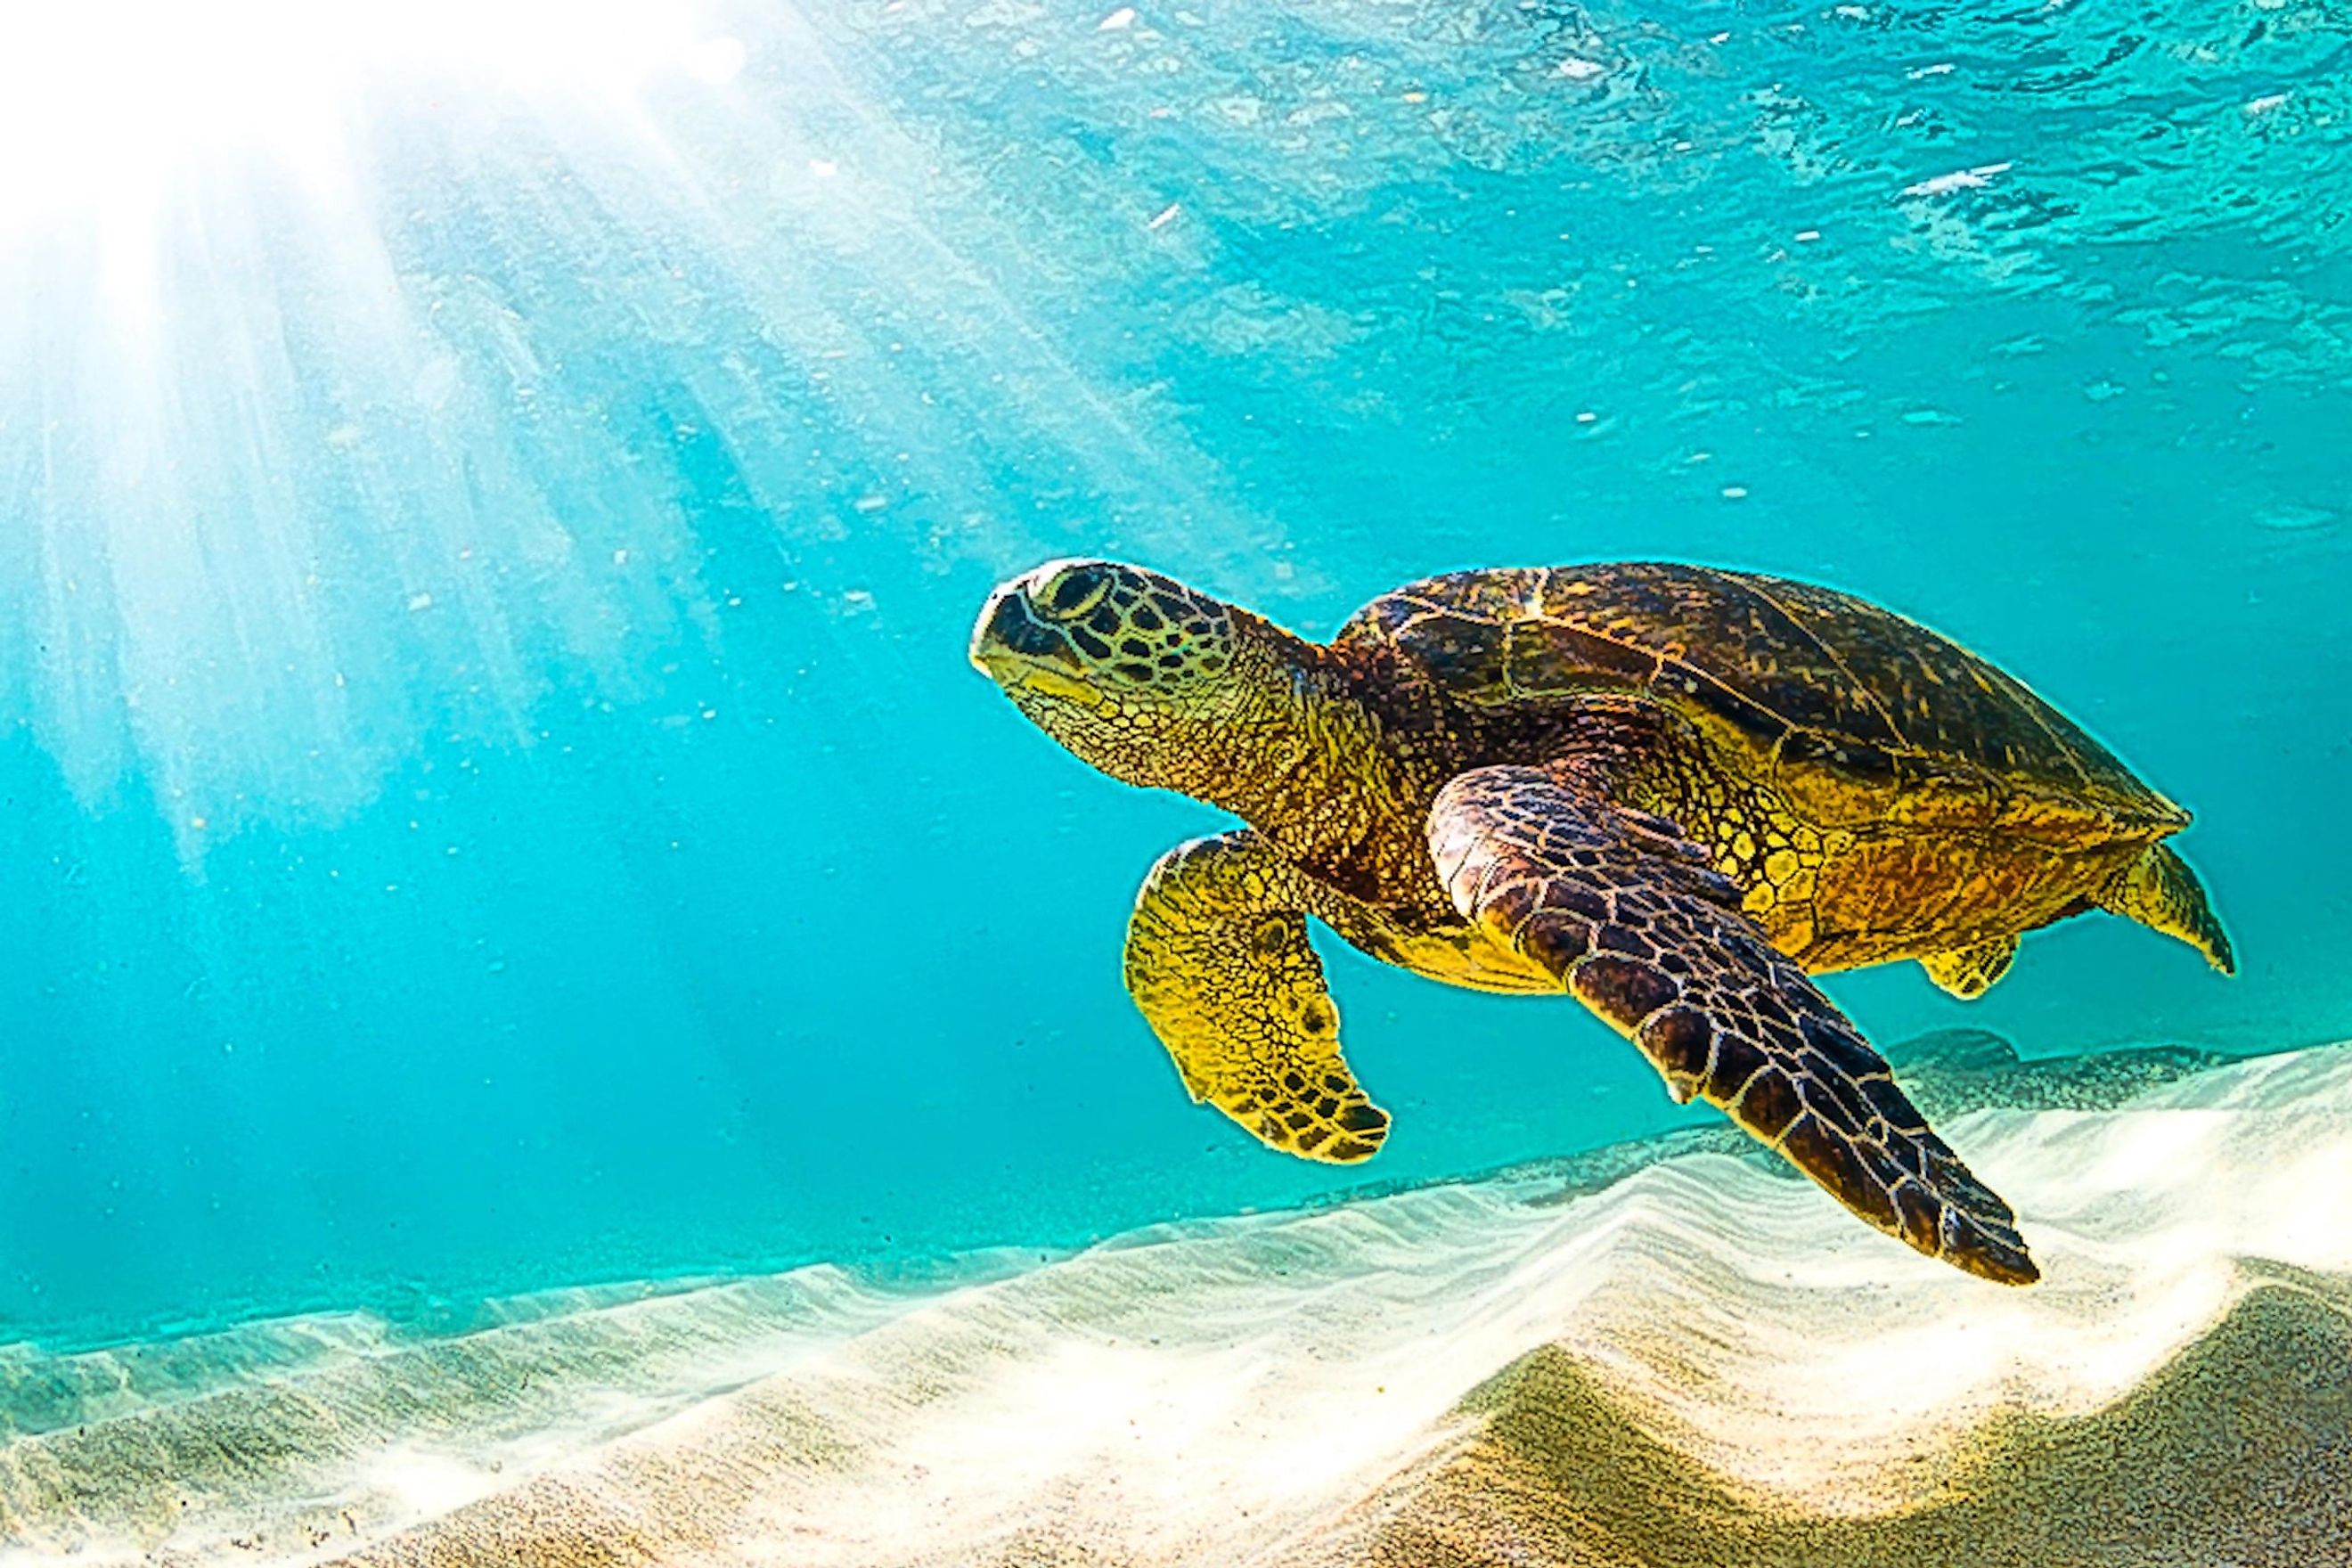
<point>1641,931</point>
<point>2162,893</point>
<point>1217,959</point>
<point>1967,972</point>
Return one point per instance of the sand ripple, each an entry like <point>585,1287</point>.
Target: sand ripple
<point>1663,1355</point>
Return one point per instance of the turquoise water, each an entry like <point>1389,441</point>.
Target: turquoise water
<point>498,798</point>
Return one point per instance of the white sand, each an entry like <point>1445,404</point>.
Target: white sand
<point>1703,1362</point>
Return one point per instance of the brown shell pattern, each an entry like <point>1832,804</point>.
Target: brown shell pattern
<point>1821,679</point>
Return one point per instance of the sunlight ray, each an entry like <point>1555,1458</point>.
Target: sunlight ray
<point>326,315</point>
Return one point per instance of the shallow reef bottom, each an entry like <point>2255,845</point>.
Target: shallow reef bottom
<point>1665,1354</point>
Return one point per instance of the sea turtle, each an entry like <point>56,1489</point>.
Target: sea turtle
<point>1671,790</point>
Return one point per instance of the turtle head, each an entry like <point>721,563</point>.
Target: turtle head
<point>1132,672</point>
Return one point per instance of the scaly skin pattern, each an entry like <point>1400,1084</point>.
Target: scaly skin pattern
<point>1217,958</point>
<point>1638,928</point>
<point>1726,781</point>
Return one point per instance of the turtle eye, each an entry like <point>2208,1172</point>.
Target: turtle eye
<point>1072,592</point>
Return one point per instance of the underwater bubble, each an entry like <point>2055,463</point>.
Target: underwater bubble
<point>2294,519</point>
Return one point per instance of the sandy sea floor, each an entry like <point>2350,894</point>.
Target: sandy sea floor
<point>1665,1354</point>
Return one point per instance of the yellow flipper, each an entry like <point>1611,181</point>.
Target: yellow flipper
<point>1217,959</point>
<point>2162,893</point>
<point>1967,972</point>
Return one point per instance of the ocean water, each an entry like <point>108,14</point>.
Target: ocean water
<point>494,505</point>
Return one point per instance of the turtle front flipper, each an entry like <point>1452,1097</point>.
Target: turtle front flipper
<point>1638,928</point>
<point>1217,958</point>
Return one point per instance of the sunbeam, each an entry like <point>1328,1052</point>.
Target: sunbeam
<point>106,102</point>
<point>365,355</point>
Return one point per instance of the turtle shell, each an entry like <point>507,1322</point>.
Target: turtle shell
<point>1859,715</point>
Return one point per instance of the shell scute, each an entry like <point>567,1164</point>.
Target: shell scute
<point>1859,714</point>
<point>1551,658</point>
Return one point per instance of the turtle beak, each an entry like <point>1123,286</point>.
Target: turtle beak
<point>1012,647</point>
